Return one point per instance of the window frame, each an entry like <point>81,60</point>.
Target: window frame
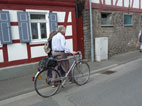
<point>128,25</point>
<point>111,19</point>
<point>46,12</point>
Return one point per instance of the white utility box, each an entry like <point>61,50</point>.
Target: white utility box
<point>101,48</point>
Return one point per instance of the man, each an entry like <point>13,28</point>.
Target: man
<point>139,41</point>
<point>59,48</point>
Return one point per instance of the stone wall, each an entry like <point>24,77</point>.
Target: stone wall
<point>121,38</point>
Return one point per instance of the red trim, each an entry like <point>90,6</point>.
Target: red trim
<point>87,4</point>
<point>69,37</point>
<point>5,53</point>
<point>18,62</point>
<point>17,1</point>
<point>80,35</point>
<point>116,2</point>
<point>41,7</point>
<point>37,2</point>
<point>66,19</point>
<point>115,8</point>
<point>132,3</point>
<point>36,45</point>
<point>29,51</point>
<point>100,1</point>
<point>123,3</point>
<point>16,41</point>
<point>112,2</point>
<point>74,30</point>
<point>14,23</point>
<point>62,23</point>
<point>129,4</point>
<point>104,2</point>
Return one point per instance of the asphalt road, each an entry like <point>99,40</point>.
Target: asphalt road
<point>121,88</point>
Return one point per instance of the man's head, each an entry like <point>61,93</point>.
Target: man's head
<point>62,29</point>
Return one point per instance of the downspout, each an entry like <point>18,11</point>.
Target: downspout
<point>91,30</point>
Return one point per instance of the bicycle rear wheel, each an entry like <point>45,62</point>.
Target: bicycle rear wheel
<point>45,85</point>
<point>81,73</point>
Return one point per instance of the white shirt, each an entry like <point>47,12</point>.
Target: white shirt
<point>59,43</point>
<point>140,33</point>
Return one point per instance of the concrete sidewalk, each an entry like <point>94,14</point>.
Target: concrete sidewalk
<point>115,61</point>
<point>24,84</point>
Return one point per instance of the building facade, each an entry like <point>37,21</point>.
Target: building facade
<point>119,20</point>
<point>25,26</point>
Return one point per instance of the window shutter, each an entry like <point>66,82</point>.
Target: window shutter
<point>5,29</point>
<point>24,29</point>
<point>53,22</point>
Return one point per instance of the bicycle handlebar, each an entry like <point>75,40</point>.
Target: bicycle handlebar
<point>74,54</point>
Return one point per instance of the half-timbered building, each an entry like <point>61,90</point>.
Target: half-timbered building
<point>119,20</point>
<point>25,26</point>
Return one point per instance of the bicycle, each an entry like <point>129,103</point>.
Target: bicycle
<point>43,82</point>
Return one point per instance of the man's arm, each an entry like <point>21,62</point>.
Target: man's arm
<point>63,44</point>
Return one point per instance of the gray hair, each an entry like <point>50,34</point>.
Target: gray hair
<point>61,29</point>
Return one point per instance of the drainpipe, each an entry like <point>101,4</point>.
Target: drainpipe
<point>91,30</point>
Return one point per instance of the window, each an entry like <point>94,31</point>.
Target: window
<point>106,19</point>
<point>42,22</point>
<point>39,26</point>
<point>127,20</point>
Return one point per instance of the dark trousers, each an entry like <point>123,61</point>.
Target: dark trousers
<point>65,63</point>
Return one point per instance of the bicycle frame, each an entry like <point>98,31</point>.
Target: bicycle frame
<point>64,79</point>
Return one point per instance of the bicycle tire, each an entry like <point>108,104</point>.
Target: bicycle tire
<point>44,82</point>
<point>81,73</point>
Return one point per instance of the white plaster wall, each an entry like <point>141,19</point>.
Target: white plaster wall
<point>17,52</point>
<point>136,4</point>
<point>13,15</point>
<point>15,32</point>
<point>119,3</point>
<point>69,44</point>
<point>60,15</point>
<point>37,51</point>
<point>108,2</point>
<point>95,1</point>
<point>126,3</point>
<point>68,30</point>
<point>70,17</point>
<point>1,56</point>
<point>141,5</point>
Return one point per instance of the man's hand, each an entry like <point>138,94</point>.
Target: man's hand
<point>138,44</point>
<point>74,52</point>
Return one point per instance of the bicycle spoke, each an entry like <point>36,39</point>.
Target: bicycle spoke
<point>81,73</point>
<point>45,84</point>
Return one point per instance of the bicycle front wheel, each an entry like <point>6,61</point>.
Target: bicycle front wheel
<point>47,82</point>
<point>81,73</point>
